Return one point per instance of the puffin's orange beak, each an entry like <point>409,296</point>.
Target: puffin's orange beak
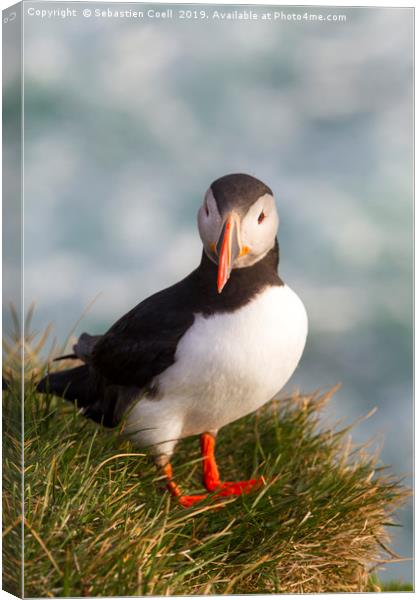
<point>227,250</point>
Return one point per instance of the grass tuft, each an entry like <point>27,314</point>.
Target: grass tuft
<point>98,522</point>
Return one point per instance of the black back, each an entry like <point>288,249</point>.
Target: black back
<point>142,344</point>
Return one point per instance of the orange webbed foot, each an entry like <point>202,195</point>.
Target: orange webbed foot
<point>211,475</point>
<point>172,487</point>
<point>188,501</point>
<point>211,479</point>
<point>237,488</point>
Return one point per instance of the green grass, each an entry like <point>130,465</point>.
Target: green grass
<point>396,586</point>
<point>98,522</point>
<point>389,586</point>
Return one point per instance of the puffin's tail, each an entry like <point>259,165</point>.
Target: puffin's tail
<point>71,384</point>
<point>80,385</point>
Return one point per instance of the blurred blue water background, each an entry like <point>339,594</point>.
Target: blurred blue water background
<point>128,121</point>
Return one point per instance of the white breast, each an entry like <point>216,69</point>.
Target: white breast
<point>227,365</point>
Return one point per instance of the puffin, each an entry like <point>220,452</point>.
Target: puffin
<point>202,353</point>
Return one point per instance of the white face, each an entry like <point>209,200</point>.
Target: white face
<point>256,230</point>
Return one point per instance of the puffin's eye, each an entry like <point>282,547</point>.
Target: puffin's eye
<point>206,208</point>
<point>261,217</point>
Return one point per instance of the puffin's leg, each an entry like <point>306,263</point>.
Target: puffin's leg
<point>211,477</point>
<point>173,488</point>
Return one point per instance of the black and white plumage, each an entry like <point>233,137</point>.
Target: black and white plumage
<point>207,350</point>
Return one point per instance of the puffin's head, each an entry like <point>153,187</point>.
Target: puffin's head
<point>237,222</point>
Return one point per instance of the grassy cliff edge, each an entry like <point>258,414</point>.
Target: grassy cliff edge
<point>98,523</point>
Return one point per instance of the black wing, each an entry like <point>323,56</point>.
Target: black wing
<point>143,342</point>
